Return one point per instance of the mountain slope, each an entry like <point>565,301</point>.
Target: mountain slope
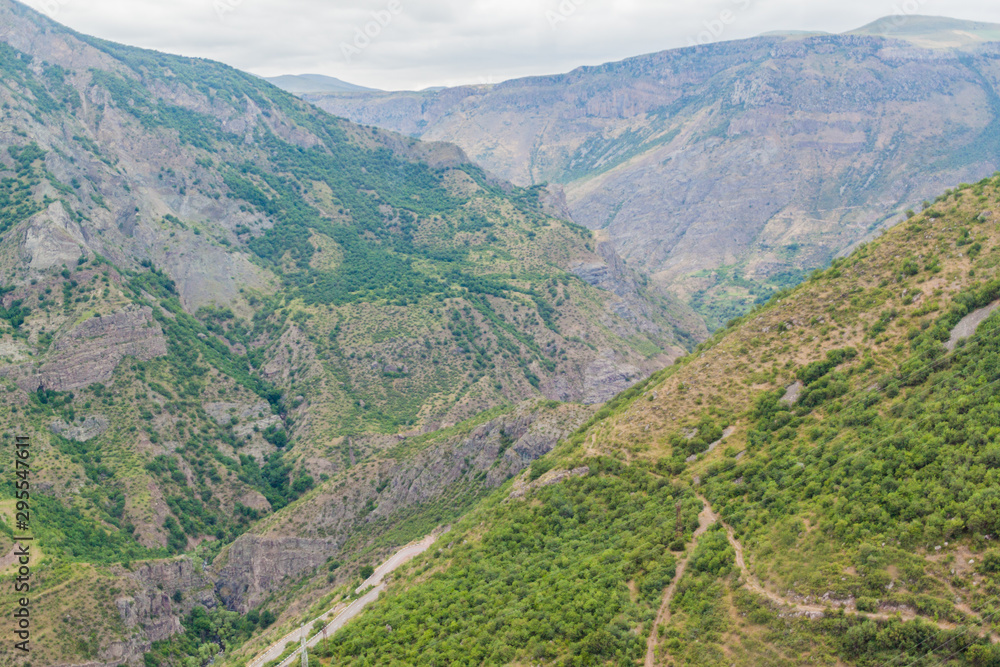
<point>730,170</point>
<point>216,299</point>
<point>843,433</point>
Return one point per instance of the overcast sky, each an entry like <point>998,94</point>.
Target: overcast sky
<point>413,44</point>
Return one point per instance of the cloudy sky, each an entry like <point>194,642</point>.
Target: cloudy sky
<point>413,44</point>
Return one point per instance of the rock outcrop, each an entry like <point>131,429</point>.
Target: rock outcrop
<point>150,611</point>
<point>257,565</point>
<point>634,302</point>
<point>968,325</point>
<point>91,427</point>
<point>608,375</point>
<point>489,455</point>
<point>522,487</point>
<point>92,350</point>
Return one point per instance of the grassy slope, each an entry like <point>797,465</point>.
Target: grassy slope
<point>889,454</point>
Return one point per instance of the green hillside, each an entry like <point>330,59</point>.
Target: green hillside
<point>257,349</point>
<point>730,171</point>
<point>863,511</point>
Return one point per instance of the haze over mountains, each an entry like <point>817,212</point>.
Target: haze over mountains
<point>732,169</point>
<point>258,348</point>
<point>313,83</point>
<point>932,32</point>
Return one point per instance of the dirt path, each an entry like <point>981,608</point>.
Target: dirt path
<point>705,519</point>
<point>816,611</point>
<point>754,584</point>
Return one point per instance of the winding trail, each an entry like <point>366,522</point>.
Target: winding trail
<point>342,614</point>
<point>705,519</point>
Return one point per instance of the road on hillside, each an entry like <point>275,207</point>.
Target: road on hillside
<point>341,614</point>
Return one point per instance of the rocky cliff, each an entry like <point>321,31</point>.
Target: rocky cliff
<point>415,474</point>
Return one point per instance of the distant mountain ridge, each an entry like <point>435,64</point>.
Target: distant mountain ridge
<point>730,170</point>
<point>314,83</point>
<point>934,32</point>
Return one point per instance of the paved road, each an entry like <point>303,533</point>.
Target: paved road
<point>341,614</point>
<point>337,623</point>
<point>404,555</point>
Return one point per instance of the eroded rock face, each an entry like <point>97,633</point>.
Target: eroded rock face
<point>88,429</point>
<point>612,275</point>
<point>792,393</point>
<point>489,455</point>
<point>150,612</point>
<point>609,274</point>
<point>52,239</point>
<point>257,565</point>
<point>91,351</point>
<point>255,500</point>
<point>118,653</point>
<point>607,376</point>
<point>967,326</point>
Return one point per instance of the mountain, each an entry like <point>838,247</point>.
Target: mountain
<point>932,32</point>
<point>256,348</point>
<point>217,301</point>
<point>816,484</point>
<point>731,170</point>
<point>313,83</point>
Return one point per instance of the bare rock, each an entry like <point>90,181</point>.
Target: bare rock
<point>792,393</point>
<point>604,378</point>
<point>52,239</point>
<point>553,199</point>
<point>255,500</point>
<point>257,565</point>
<point>91,351</point>
<point>149,610</point>
<point>489,455</point>
<point>967,325</point>
<point>88,429</point>
<point>521,488</point>
<point>725,434</point>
